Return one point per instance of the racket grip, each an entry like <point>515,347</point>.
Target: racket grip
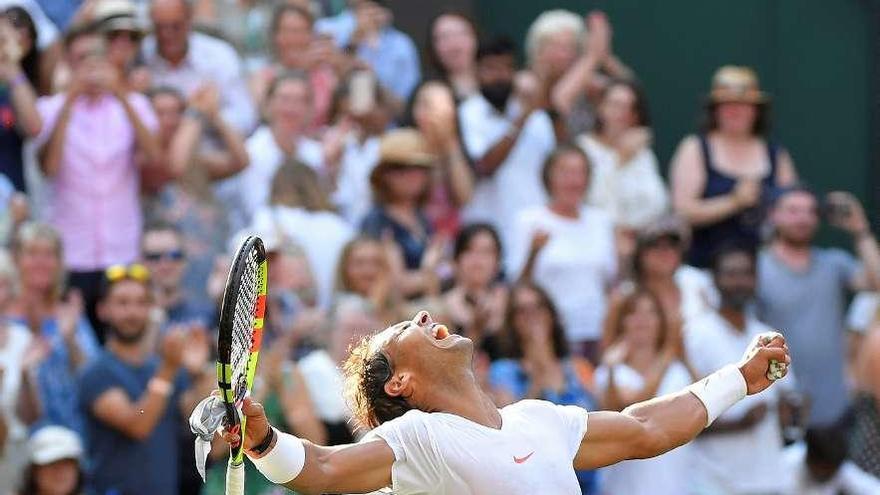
<point>235,478</point>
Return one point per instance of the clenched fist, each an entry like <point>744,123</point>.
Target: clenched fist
<point>765,349</point>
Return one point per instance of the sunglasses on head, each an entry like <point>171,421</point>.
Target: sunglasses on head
<point>134,271</point>
<point>173,255</point>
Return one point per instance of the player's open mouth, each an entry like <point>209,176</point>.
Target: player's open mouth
<point>439,332</point>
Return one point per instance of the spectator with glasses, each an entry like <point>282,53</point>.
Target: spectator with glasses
<point>164,254</point>
<point>134,399</point>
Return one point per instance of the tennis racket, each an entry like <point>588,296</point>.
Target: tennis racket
<point>238,344</point>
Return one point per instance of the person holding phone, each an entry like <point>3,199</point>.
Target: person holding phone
<point>94,181</point>
<point>19,119</point>
<point>803,289</point>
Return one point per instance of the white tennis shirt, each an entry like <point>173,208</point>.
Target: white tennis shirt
<point>445,454</point>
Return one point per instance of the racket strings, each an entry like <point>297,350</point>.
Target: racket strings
<point>243,322</point>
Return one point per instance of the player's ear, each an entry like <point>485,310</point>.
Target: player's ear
<point>397,385</point>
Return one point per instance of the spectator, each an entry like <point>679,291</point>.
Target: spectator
<point>865,442</point>
<point>44,37</point>
<point>361,124</point>
<point>683,291</point>
<point>295,47</point>
<point>625,181</point>
<point>56,463</point>
<point>365,29</point>
<point>794,274</point>
<point>118,21</point>
<point>288,111</point>
<point>818,466</point>
<point>726,449</point>
<point>94,180</point>
<point>401,184</point>
<point>643,360</point>
<point>452,51</point>
<point>432,111</point>
<point>186,60</point>
<point>19,72</point>
<point>568,248</point>
<point>724,177</point>
<point>244,23</point>
<point>184,191</point>
<point>63,342</point>
<point>167,259</point>
<point>364,278</point>
<point>15,340</point>
<point>538,364</point>
<point>298,208</point>
<point>135,400</point>
<point>506,137</point>
<point>477,300</point>
<point>572,59</point>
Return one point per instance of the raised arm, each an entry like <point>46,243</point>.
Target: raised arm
<point>308,468</point>
<point>650,428</point>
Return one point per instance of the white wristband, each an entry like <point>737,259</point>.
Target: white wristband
<point>284,461</point>
<point>720,390</point>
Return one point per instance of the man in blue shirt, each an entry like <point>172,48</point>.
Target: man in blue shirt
<point>135,400</point>
<point>365,30</point>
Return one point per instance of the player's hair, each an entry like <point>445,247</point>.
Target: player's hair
<point>366,370</point>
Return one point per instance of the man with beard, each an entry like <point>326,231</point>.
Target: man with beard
<point>727,448</point>
<point>507,137</point>
<point>803,289</point>
<point>134,399</point>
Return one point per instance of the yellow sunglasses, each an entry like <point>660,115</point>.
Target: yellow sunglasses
<point>134,271</point>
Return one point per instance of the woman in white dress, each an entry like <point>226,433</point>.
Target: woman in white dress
<point>644,360</point>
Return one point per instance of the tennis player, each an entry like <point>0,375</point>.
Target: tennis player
<point>436,432</point>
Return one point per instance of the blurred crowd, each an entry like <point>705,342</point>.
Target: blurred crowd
<point>521,203</point>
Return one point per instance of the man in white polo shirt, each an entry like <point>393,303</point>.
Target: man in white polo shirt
<point>507,138</point>
<point>436,431</point>
<point>746,438</point>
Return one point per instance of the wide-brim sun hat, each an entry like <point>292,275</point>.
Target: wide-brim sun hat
<point>117,15</point>
<point>736,84</point>
<point>402,147</point>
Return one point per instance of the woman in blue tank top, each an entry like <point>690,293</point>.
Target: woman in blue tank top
<point>724,178</point>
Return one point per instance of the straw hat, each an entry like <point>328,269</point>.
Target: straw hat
<point>405,146</point>
<point>736,84</point>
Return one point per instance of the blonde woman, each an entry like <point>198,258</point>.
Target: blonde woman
<point>63,340</point>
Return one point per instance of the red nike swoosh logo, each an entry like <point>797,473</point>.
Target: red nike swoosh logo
<point>520,460</point>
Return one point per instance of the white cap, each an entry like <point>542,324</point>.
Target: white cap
<point>54,443</point>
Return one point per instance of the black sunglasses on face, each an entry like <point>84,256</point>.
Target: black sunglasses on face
<point>173,255</point>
